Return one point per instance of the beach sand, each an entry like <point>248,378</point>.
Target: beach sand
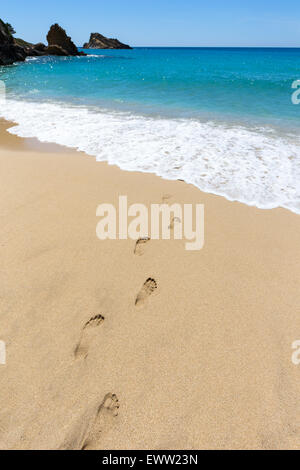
<point>205,361</point>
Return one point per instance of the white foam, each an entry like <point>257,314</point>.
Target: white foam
<point>31,59</point>
<point>253,166</point>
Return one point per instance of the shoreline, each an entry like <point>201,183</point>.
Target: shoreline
<point>204,362</point>
<point>34,144</point>
<point>267,178</point>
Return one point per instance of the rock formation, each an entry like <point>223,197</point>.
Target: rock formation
<point>14,50</point>
<point>10,51</point>
<point>23,43</point>
<point>40,47</point>
<point>97,41</point>
<point>59,43</point>
<point>31,49</point>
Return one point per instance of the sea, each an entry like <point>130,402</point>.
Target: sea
<point>222,119</point>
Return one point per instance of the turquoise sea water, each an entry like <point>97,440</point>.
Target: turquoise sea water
<point>220,118</point>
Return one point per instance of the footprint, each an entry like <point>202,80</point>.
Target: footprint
<point>87,335</point>
<point>104,420</point>
<point>148,288</point>
<point>140,245</point>
<point>92,425</point>
<point>174,221</point>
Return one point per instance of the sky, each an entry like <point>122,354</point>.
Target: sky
<point>189,23</point>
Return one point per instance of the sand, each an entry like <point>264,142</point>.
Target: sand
<point>203,362</point>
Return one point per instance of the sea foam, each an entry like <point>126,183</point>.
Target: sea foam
<point>254,166</point>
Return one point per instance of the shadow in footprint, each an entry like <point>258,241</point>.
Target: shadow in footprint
<point>147,289</point>
<point>140,245</point>
<point>104,420</point>
<point>174,221</point>
<point>87,335</point>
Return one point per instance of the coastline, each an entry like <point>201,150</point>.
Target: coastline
<point>204,363</point>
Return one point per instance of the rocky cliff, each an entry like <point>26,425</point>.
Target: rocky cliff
<point>10,51</point>
<point>97,41</point>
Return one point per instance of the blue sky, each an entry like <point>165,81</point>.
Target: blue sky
<point>162,22</point>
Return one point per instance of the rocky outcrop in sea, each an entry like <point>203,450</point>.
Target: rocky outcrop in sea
<point>59,43</point>
<point>97,41</point>
<point>16,50</point>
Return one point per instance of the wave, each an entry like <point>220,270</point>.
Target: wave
<point>255,166</point>
<point>31,59</point>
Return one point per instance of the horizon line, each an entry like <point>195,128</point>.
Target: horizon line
<point>205,47</point>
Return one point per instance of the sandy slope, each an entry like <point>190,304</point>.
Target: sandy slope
<point>202,362</point>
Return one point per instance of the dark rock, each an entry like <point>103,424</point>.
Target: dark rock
<point>13,50</point>
<point>22,43</point>
<point>32,52</point>
<point>63,44</point>
<point>10,51</point>
<point>36,50</point>
<point>55,50</point>
<point>40,47</point>
<point>97,41</point>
